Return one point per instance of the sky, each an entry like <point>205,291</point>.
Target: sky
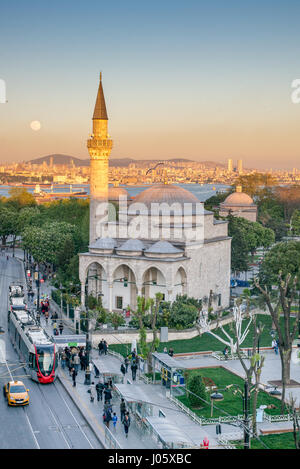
<point>205,80</point>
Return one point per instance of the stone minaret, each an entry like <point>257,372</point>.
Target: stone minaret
<point>99,146</point>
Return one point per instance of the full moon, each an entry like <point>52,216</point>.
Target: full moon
<point>35,125</point>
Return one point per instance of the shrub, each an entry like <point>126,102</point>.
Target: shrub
<point>196,385</point>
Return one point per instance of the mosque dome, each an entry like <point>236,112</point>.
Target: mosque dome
<point>105,245</point>
<point>238,199</point>
<point>164,194</point>
<point>131,247</point>
<point>163,249</point>
<point>115,192</point>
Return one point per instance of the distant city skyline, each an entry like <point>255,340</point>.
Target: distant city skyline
<point>196,80</point>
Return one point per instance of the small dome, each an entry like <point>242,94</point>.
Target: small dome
<point>238,199</point>
<point>104,244</point>
<point>163,248</point>
<point>132,245</point>
<point>115,192</point>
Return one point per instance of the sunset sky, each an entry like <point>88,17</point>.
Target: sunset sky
<point>206,80</point>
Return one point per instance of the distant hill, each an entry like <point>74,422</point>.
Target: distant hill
<point>61,159</point>
<point>120,162</point>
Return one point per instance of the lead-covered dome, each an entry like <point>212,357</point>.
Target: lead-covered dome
<point>238,199</point>
<point>115,192</point>
<point>166,193</point>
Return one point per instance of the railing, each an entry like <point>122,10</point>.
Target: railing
<point>220,356</point>
<point>225,439</point>
<point>185,409</point>
<point>110,441</point>
<point>116,354</point>
<point>278,418</point>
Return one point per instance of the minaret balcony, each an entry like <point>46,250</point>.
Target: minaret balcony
<point>106,143</point>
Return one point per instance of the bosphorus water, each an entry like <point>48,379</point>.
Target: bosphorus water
<point>203,192</point>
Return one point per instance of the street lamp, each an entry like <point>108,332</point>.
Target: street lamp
<point>215,396</point>
<point>2,331</point>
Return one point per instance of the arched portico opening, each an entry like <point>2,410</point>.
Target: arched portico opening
<point>124,289</point>
<point>96,283</point>
<point>154,282</point>
<point>180,283</point>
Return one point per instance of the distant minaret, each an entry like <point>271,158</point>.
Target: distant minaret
<point>99,146</point>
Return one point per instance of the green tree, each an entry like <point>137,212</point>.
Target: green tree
<point>295,223</point>
<point>196,390</point>
<point>8,222</point>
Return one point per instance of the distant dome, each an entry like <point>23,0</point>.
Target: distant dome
<point>104,244</point>
<point>115,192</point>
<point>238,199</point>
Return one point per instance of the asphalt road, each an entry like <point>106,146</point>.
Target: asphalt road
<point>51,421</point>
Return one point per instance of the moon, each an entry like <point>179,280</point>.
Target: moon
<point>35,125</point>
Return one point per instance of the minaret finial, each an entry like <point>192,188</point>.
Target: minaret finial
<point>100,76</point>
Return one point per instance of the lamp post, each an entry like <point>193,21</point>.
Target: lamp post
<point>215,396</point>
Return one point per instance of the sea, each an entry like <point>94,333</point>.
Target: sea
<point>202,191</point>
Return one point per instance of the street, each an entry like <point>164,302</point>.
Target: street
<point>51,421</point>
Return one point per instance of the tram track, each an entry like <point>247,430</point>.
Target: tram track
<point>52,419</point>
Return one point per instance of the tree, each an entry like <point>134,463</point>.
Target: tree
<point>255,184</point>
<point>116,319</point>
<point>283,257</point>
<point>280,302</point>
<point>239,332</point>
<point>20,197</point>
<point>295,223</point>
<point>246,236</point>
<point>196,390</point>
<point>8,222</point>
<point>148,307</point>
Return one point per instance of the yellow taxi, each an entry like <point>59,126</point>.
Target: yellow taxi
<point>16,393</point>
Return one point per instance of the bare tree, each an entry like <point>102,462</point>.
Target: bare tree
<point>291,405</point>
<point>287,294</point>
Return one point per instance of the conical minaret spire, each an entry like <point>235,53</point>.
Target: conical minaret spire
<point>99,146</point>
<point>100,106</point>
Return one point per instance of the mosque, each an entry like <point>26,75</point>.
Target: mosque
<point>150,247</point>
<point>239,204</point>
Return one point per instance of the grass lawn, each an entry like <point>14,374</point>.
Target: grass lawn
<point>208,342</point>
<point>279,441</point>
<point>231,403</point>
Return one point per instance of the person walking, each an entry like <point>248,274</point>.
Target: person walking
<point>76,361</point>
<point>100,347</point>
<point>63,359</point>
<point>91,391</point>
<point>126,362</point>
<point>114,420</point>
<point>123,370</point>
<point>55,330</point>
<point>107,395</point>
<point>105,347</point>
<point>99,390</point>
<point>126,423</point>
<point>275,346</point>
<point>133,370</point>
<point>73,374</point>
<point>122,409</point>
<point>107,416</point>
<point>46,317</point>
<point>61,328</point>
